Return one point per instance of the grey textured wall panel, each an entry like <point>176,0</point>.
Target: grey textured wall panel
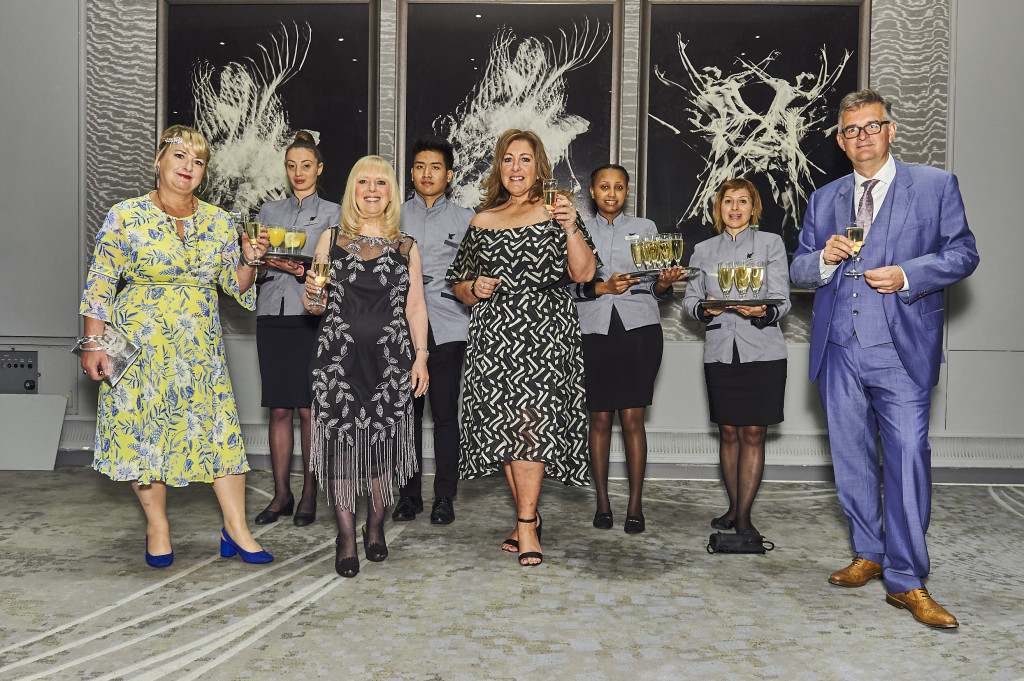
<point>910,63</point>
<point>120,97</point>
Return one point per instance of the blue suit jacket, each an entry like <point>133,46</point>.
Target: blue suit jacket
<point>928,237</point>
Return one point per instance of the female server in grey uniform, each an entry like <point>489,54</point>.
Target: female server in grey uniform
<point>286,333</point>
<point>622,341</point>
<point>744,351</point>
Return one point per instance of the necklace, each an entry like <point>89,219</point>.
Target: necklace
<point>374,240</point>
<point>160,204</point>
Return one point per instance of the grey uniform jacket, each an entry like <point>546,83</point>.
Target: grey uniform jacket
<point>638,305</point>
<point>756,340</point>
<point>438,231</point>
<point>281,293</point>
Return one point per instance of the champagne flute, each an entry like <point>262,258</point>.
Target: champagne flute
<point>725,276</point>
<point>252,232</point>
<point>636,250</point>
<point>550,190</point>
<point>677,250</point>
<point>665,251</point>
<point>757,277</point>
<point>741,277</point>
<point>855,233</point>
<point>651,253</point>
<point>321,269</point>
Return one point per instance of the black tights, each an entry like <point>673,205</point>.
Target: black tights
<point>375,508</point>
<point>635,437</point>
<point>742,455</point>
<point>282,440</point>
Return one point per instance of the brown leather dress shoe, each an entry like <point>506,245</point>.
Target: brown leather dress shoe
<point>858,573</point>
<point>923,608</point>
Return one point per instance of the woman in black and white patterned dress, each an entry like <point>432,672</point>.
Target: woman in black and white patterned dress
<point>523,405</point>
<point>370,359</point>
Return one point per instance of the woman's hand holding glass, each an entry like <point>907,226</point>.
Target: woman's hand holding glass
<point>564,212</point>
<point>317,278</point>
<point>254,249</point>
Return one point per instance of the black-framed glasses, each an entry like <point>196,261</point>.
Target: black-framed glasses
<point>853,131</point>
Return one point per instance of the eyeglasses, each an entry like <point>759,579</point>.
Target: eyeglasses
<point>853,131</point>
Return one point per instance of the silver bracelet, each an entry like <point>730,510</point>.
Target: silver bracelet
<point>569,234</point>
<point>89,339</point>
<point>423,350</point>
<point>99,349</point>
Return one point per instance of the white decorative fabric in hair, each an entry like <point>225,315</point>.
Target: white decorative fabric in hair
<point>173,140</point>
<point>316,136</point>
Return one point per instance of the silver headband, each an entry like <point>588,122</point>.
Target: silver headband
<point>173,140</point>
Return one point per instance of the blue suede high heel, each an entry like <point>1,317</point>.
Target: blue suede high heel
<point>228,548</point>
<point>158,561</point>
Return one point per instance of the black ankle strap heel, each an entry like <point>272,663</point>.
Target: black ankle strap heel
<point>531,554</point>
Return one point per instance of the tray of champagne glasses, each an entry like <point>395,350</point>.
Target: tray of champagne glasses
<point>748,302</point>
<point>687,272</point>
<point>655,253</point>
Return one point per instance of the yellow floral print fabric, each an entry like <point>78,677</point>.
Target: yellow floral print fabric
<point>172,417</point>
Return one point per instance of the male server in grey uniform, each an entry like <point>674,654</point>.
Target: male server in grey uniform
<point>438,226</point>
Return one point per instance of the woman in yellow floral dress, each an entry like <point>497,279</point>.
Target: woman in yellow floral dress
<point>171,419</point>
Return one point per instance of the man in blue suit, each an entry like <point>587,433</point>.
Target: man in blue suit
<point>876,341</point>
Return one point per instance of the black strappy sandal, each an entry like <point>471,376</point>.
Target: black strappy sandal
<point>515,542</point>
<point>531,554</point>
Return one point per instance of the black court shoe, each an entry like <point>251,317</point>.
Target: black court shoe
<point>603,521</point>
<point>267,516</point>
<point>635,524</point>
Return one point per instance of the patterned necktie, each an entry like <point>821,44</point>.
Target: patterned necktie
<point>866,209</point>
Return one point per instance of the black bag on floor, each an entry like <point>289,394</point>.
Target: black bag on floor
<point>721,542</point>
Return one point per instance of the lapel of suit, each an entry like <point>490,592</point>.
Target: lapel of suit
<point>902,193</point>
<point>844,205</point>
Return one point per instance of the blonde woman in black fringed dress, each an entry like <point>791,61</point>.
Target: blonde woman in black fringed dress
<point>369,361</point>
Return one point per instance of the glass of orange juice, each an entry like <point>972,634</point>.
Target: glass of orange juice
<point>276,234</point>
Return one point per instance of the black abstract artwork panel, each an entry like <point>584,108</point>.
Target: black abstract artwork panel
<point>745,90</point>
<point>250,76</point>
<point>475,70</point>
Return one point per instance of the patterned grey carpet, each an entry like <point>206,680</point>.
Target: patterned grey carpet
<point>78,602</point>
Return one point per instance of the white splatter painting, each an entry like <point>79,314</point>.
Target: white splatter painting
<point>523,86</point>
<point>240,111</point>
<point>743,141</point>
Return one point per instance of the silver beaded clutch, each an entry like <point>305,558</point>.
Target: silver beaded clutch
<point>121,352</point>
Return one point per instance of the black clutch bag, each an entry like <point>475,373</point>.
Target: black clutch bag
<point>722,542</point>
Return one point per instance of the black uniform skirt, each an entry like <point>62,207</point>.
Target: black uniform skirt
<point>746,393</point>
<point>620,366</point>
<point>285,345</point>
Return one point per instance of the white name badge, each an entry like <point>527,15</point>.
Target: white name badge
<point>632,237</point>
